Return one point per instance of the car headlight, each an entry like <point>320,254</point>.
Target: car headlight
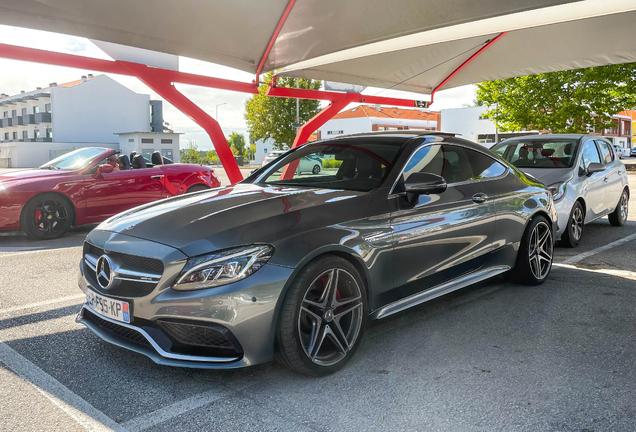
<point>558,190</point>
<point>222,267</point>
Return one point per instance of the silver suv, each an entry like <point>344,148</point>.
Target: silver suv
<point>586,178</point>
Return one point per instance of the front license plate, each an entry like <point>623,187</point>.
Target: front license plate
<point>111,308</point>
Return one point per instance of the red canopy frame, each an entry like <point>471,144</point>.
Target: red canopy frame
<point>162,82</point>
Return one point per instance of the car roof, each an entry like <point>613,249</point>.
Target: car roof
<point>553,136</point>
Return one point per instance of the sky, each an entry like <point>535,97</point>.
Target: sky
<point>17,75</point>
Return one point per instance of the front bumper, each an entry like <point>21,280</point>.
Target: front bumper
<point>244,311</point>
<point>563,208</point>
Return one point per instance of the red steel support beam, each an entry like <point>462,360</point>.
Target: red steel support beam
<point>305,131</point>
<point>272,40</point>
<point>167,90</point>
<point>461,66</point>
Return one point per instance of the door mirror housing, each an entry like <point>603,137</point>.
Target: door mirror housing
<point>423,184</point>
<point>103,169</point>
<point>595,167</point>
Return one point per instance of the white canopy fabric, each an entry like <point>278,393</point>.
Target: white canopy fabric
<point>403,44</point>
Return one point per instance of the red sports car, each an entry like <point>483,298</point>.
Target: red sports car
<point>87,186</point>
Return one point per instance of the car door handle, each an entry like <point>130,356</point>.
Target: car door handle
<point>157,176</point>
<point>480,197</point>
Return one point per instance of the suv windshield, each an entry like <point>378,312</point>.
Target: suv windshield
<point>347,165</point>
<point>538,153</point>
<point>74,160</point>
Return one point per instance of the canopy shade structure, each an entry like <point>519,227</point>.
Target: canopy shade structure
<point>405,44</point>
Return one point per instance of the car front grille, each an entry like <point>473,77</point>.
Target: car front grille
<point>125,288</point>
<point>116,329</point>
<point>196,335</point>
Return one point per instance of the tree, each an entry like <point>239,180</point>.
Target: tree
<point>237,144</point>
<point>211,156</point>
<point>191,154</point>
<point>575,101</point>
<point>272,117</point>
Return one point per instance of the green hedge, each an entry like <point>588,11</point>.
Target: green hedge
<point>331,163</point>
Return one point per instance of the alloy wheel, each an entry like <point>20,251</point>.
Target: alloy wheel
<point>577,223</point>
<point>330,317</point>
<point>50,217</point>
<point>624,206</point>
<point>541,250</point>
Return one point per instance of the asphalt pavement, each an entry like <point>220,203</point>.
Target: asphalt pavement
<point>492,357</point>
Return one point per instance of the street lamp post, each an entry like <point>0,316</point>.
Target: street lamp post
<point>216,116</point>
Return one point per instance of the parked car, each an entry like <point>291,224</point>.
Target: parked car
<point>294,267</point>
<point>633,152</point>
<point>587,180</point>
<point>79,188</point>
<point>273,155</point>
<point>618,151</point>
<point>311,163</point>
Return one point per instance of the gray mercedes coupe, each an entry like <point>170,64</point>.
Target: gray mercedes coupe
<point>292,265</point>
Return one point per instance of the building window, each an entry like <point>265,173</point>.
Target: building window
<point>24,111</point>
<point>6,114</point>
<point>49,133</point>
<point>36,133</point>
<point>14,113</point>
<point>131,140</point>
<point>36,109</point>
<point>166,141</point>
<point>25,134</point>
<point>6,136</point>
<point>15,135</point>
<point>47,107</point>
<point>334,132</point>
<point>147,141</point>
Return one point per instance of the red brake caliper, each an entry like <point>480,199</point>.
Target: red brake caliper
<point>38,214</point>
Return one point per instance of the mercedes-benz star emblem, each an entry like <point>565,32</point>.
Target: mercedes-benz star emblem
<point>104,271</point>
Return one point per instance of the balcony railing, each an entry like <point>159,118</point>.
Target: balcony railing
<point>28,119</point>
<point>43,117</point>
<point>6,122</point>
<point>17,121</point>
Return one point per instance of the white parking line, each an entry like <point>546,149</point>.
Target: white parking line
<point>584,255</point>
<point>42,303</point>
<point>77,408</point>
<point>28,252</point>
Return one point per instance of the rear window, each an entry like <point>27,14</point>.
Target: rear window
<point>538,153</point>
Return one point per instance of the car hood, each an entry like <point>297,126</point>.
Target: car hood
<point>237,215</point>
<point>31,174</point>
<point>549,176</point>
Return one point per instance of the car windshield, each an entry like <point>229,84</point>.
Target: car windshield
<point>74,160</point>
<point>538,153</point>
<point>346,165</point>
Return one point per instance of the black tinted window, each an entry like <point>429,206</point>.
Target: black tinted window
<point>349,165</point>
<point>456,164</point>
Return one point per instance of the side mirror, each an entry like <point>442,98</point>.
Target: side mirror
<point>423,184</point>
<point>595,167</point>
<point>103,169</point>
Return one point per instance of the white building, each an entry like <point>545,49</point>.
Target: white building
<point>365,118</point>
<point>147,143</point>
<point>39,125</point>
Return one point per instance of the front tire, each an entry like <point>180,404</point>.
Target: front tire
<point>197,188</point>
<point>619,216</point>
<point>46,216</point>
<point>323,317</point>
<point>316,170</point>
<point>536,252</point>
<point>574,229</point>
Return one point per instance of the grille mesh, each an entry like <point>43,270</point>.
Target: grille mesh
<point>196,335</point>
<point>121,331</point>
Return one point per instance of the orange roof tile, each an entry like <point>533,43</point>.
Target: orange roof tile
<point>387,112</point>
<point>76,82</point>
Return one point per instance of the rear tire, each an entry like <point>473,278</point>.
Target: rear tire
<point>536,252</point>
<point>316,170</point>
<point>322,318</point>
<point>619,216</point>
<point>574,229</point>
<point>46,216</point>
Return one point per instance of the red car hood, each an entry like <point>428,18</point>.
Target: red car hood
<point>32,174</point>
